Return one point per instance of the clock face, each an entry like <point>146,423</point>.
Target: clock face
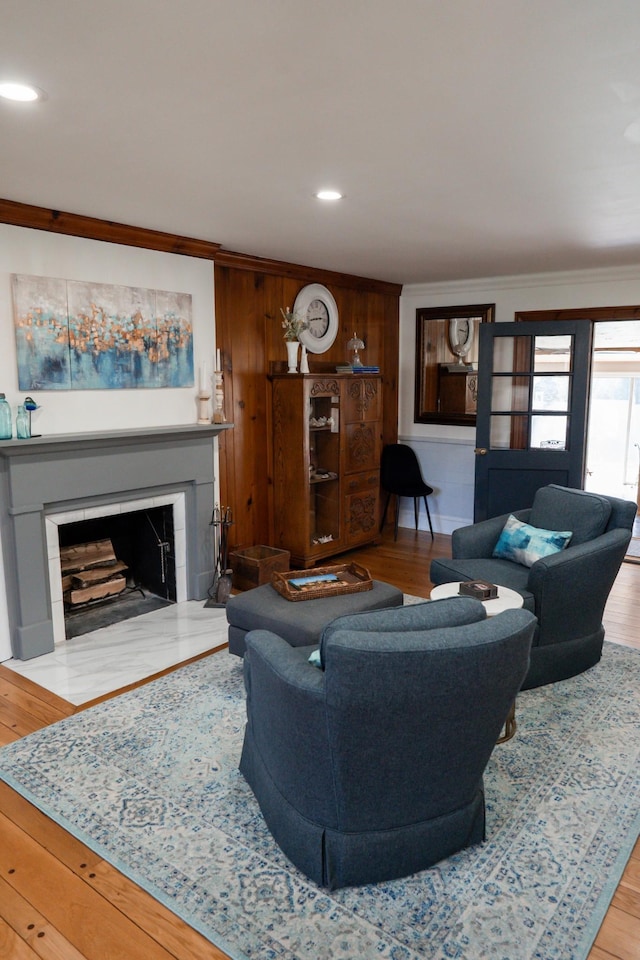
<point>460,336</point>
<point>317,318</point>
<point>462,332</point>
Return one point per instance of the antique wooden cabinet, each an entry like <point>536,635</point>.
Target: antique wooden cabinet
<point>326,443</point>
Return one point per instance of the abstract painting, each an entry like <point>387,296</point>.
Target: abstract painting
<point>73,335</point>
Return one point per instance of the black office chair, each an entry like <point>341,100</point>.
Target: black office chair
<point>400,474</point>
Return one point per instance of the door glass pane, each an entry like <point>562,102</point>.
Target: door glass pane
<point>508,433</point>
<point>510,393</point>
<point>613,459</point>
<point>324,468</point>
<point>553,354</point>
<point>551,393</point>
<point>511,354</point>
<point>549,433</point>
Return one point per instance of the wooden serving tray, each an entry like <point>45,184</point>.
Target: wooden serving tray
<point>322,582</point>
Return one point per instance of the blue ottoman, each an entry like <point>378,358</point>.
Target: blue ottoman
<point>299,622</point>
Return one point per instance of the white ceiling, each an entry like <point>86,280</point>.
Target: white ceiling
<point>470,137</point>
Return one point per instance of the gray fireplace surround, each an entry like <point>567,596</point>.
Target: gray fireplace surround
<point>49,475</point>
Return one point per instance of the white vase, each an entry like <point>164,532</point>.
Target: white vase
<point>304,359</point>
<point>292,355</point>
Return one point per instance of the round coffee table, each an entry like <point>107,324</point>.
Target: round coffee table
<point>506,600</point>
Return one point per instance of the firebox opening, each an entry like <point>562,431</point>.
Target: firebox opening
<point>144,545</point>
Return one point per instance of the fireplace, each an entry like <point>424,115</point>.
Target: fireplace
<point>148,536</point>
<point>49,482</point>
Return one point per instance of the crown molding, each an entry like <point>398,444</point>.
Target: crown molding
<point>517,281</point>
<point>281,268</point>
<point>91,228</point>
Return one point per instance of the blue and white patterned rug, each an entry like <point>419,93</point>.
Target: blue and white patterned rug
<point>149,780</point>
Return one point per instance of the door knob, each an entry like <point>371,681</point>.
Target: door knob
<point>480,451</point>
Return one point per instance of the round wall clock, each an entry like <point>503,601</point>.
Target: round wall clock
<point>461,330</point>
<point>316,304</point>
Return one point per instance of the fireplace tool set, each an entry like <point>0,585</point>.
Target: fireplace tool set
<point>221,520</point>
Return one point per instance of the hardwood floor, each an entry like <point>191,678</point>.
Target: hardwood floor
<point>60,901</point>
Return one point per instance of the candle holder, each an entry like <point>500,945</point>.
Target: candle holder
<point>203,406</point>
<point>218,413</point>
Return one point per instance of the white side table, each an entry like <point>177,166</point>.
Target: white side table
<point>506,600</point>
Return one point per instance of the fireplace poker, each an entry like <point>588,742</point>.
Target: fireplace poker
<point>221,520</point>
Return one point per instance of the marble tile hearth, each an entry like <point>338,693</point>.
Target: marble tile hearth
<point>98,663</point>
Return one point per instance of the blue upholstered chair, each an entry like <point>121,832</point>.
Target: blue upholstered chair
<point>566,590</point>
<point>370,767</point>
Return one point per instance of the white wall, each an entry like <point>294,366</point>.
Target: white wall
<point>39,253</point>
<point>446,452</point>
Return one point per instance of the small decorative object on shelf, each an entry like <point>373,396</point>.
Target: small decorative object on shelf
<point>478,589</point>
<point>203,406</point>
<point>292,355</point>
<point>293,324</point>
<point>204,395</point>
<point>6,427</point>
<point>322,423</point>
<point>23,424</point>
<point>355,345</point>
<point>30,405</point>
<point>304,359</point>
<point>218,413</point>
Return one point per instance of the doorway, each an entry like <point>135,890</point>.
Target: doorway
<point>613,436</point>
<point>612,454</point>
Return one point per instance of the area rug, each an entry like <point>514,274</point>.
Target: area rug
<point>150,781</point>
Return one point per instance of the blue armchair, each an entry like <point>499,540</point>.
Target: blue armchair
<point>567,590</point>
<point>371,767</point>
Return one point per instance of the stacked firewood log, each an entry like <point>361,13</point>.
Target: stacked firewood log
<point>91,571</point>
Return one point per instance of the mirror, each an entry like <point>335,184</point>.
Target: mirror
<point>447,362</point>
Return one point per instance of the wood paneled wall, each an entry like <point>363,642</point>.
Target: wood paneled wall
<point>249,294</point>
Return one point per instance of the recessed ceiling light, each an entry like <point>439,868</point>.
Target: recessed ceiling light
<point>20,91</point>
<point>328,195</point>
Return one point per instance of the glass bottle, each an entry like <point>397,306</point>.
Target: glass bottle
<point>23,423</point>
<point>5,419</point>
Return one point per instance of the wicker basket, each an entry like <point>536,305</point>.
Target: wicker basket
<point>351,578</point>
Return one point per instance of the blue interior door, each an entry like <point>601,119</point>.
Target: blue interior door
<point>533,384</point>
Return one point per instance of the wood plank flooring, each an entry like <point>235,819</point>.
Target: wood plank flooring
<point>60,901</point>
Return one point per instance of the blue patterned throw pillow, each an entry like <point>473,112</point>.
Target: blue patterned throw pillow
<point>525,544</point>
<point>314,658</point>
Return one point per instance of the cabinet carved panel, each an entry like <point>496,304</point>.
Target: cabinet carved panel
<point>363,516</point>
<point>364,399</point>
<point>320,387</point>
<point>362,446</point>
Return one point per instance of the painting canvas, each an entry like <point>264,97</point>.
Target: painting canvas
<point>73,335</point>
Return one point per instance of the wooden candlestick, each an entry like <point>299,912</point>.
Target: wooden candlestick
<point>218,413</point>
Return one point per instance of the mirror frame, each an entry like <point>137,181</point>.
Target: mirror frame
<point>433,351</point>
